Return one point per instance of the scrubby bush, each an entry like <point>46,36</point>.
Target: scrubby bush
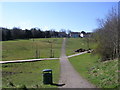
<point>107,36</point>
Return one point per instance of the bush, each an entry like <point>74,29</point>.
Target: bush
<point>107,36</point>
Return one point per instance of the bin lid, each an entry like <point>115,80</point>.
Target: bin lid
<point>47,70</point>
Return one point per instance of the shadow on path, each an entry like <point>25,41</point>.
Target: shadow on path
<point>55,84</point>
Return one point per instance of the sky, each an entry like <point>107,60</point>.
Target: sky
<point>75,16</point>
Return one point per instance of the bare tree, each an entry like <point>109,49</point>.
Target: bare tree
<point>108,36</point>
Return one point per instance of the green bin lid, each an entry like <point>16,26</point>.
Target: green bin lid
<point>47,70</point>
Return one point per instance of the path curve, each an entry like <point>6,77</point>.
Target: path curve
<point>69,76</point>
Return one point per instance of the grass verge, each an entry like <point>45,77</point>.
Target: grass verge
<point>29,74</point>
<point>101,74</point>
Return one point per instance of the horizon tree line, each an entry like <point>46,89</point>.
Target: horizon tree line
<point>17,33</point>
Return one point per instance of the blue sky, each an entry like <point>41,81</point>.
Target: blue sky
<point>75,16</point>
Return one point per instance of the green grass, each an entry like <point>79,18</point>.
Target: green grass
<point>77,43</point>
<point>102,74</point>
<point>28,74</point>
<point>26,49</point>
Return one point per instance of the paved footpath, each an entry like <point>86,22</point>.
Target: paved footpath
<point>28,60</point>
<point>69,76</point>
<point>40,59</point>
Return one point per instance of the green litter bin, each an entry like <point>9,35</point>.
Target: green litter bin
<point>47,76</point>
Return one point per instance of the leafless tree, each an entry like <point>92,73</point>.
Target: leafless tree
<point>107,36</point>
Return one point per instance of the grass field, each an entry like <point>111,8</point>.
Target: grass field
<point>26,49</point>
<point>102,74</point>
<point>29,74</point>
<point>77,43</point>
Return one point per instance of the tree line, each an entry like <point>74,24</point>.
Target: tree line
<point>107,36</point>
<point>17,33</point>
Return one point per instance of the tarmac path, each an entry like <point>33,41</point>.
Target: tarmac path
<point>68,74</point>
<point>40,59</point>
<point>28,60</point>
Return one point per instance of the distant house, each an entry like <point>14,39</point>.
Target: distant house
<point>81,35</point>
<point>88,34</point>
<point>62,34</point>
<point>85,34</point>
<point>74,34</point>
